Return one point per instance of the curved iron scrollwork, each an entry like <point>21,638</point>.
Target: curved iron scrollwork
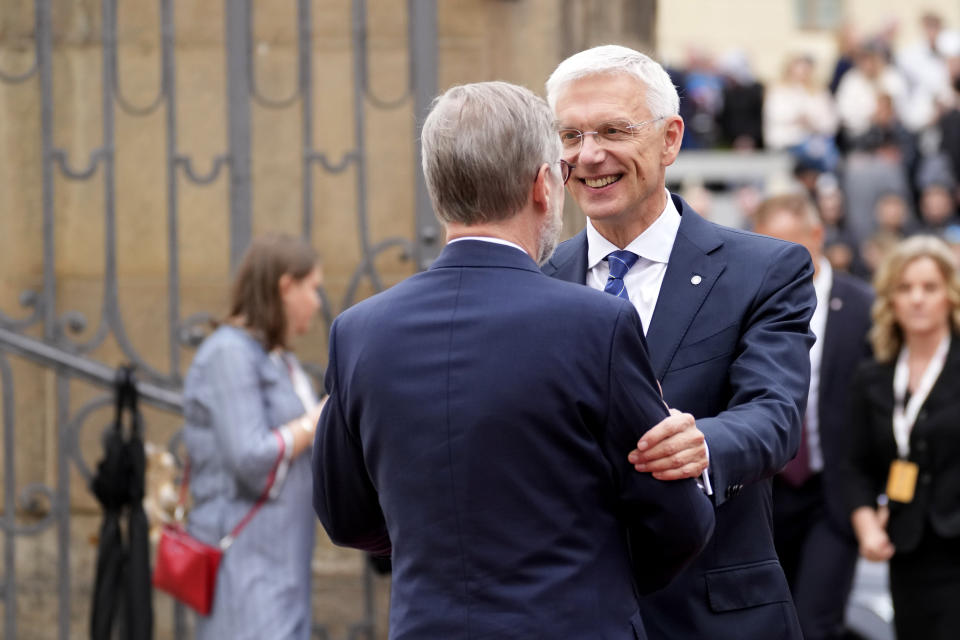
<point>61,349</point>
<point>255,93</point>
<point>110,37</point>
<point>29,299</point>
<point>17,78</point>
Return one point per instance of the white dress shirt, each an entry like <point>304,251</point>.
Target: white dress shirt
<point>818,325</point>
<point>643,280</point>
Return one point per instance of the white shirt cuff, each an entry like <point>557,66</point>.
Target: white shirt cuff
<point>704,480</point>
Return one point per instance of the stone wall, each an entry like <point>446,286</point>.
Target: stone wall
<point>518,41</point>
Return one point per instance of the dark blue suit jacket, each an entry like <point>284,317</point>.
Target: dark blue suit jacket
<point>845,346</point>
<point>479,419</point>
<point>732,348</point>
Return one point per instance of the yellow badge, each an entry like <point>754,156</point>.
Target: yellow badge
<point>902,481</point>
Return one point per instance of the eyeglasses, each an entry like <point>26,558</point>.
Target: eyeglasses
<point>608,133</point>
<point>565,170</point>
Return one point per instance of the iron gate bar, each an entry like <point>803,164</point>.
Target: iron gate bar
<point>85,368</point>
<point>424,73</point>
<point>63,350</point>
<point>238,125</point>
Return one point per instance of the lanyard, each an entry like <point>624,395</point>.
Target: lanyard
<point>905,418</point>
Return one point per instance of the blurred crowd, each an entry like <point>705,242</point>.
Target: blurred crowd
<point>876,143</point>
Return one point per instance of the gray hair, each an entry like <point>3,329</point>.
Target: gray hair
<point>611,59</point>
<point>483,144</point>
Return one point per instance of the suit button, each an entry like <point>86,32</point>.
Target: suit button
<point>925,478</point>
<point>921,445</point>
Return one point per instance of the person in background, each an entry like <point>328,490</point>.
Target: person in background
<point>900,474</point>
<point>727,319</point>
<point>893,216</point>
<point>702,85</point>
<point>938,210</point>
<point>847,46</point>
<point>937,199</point>
<point>838,245</point>
<point>860,89</point>
<point>924,68</point>
<point>741,113</point>
<point>250,416</point>
<point>893,222</point>
<point>879,162</point>
<point>811,529</point>
<point>799,116</point>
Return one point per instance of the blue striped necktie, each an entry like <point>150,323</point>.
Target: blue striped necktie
<point>620,262</point>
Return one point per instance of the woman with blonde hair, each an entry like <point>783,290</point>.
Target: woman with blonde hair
<point>250,418</point>
<point>902,473</point>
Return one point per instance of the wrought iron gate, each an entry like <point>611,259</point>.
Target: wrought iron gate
<point>45,334</point>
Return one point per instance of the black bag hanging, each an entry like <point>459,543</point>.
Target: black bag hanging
<point>122,595</point>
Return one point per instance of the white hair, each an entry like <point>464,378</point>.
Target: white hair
<point>611,59</point>
<point>483,144</point>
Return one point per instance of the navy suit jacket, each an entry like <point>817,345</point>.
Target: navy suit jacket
<point>845,346</point>
<point>479,419</point>
<point>730,347</point>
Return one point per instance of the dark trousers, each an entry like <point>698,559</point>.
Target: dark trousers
<point>925,586</point>
<point>818,560</point>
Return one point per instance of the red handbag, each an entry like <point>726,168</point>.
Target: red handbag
<point>185,567</point>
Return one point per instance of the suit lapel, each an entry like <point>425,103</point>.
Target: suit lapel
<point>570,260</point>
<point>691,274</point>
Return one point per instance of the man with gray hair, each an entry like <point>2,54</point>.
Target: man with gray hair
<point>480,413</point>
<point>726,316</point>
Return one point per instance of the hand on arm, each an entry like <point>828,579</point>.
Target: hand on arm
<point>672,450</point>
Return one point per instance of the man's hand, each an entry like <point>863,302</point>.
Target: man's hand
<point>672,450</point>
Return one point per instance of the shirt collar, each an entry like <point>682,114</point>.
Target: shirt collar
<point>823,281</point>
<point>491,240</point>
<point>654,244</point>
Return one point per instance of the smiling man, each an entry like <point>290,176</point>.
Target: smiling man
<point>726,315</point>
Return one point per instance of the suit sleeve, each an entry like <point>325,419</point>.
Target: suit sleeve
<point>344,498</point>
<point>769,379</point>
<point>668,523</point>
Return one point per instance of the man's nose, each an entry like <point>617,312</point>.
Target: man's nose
<point>590,149</point>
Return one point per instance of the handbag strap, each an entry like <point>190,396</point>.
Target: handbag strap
<point>228,539</point>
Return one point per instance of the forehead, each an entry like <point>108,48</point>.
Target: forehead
<point>921,268</point>
<point>601,98</point>
<point>781,222</point>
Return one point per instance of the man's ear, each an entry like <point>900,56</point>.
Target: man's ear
<point>542,189</point>
<point>672,139</point>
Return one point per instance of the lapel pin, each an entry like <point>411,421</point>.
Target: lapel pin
<point>836,304</point>
<point>696,279</point>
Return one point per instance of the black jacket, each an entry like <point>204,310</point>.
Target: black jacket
<point>934,446</point>
<point>845,346</point>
